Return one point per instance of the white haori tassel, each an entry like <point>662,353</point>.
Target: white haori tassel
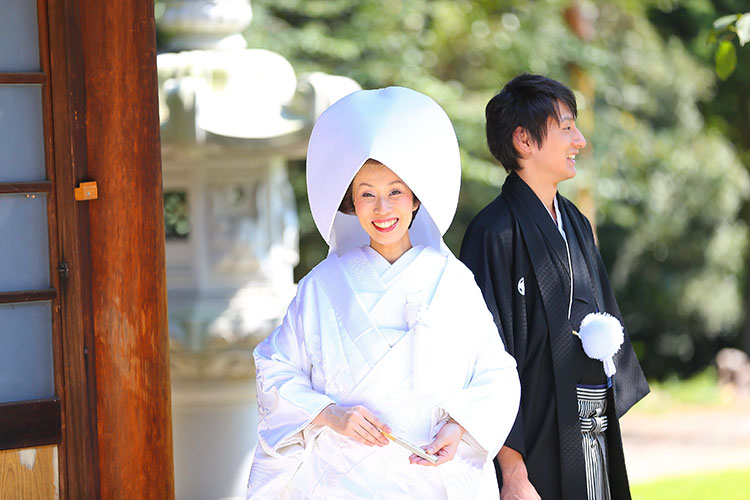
<point>417,320</point>
<point>601,335</point>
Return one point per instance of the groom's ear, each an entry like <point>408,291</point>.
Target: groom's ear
<point>522,141</point>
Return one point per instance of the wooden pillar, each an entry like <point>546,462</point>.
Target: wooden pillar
<point>126,235</point>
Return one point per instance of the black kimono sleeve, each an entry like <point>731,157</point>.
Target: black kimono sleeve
<point>486,251</point>
<point>630,385</point>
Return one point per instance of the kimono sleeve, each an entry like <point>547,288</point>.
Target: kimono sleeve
<point>488,405</point>
<point>630,382</point>
<point>287,402</point>
<point>630,385</point>
<point>486,250</point>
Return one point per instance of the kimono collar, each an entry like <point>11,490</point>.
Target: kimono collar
<point>342,278</point>
<point>532,205</point>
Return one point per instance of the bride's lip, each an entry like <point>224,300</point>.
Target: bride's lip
<point>393,222</point>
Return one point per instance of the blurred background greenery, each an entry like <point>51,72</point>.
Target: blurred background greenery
<point>664,178</point>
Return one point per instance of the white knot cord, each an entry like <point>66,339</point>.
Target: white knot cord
<point>602,335</point>
<point>609,366</point>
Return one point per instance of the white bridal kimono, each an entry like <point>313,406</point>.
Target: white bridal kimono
<point>414,343</point>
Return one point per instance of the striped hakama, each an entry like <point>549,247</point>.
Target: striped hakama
<point>592,406</point>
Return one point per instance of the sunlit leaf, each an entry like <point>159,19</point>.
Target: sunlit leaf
<point>725,21</point>
<point>743,28</point>
<point>726,59</point>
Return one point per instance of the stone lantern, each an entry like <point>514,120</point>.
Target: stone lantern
<point>231,119</point>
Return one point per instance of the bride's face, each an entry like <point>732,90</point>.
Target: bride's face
<point>384,205</point>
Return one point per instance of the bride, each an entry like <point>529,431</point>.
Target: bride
<point>389,337</point>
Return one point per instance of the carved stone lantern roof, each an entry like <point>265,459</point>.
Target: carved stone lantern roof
<point>248,100</point>
<point>236,98</point>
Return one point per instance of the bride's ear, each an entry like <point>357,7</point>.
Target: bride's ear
<point>414,212</point>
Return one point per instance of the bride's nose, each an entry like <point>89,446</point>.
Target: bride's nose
<point>382,204</point>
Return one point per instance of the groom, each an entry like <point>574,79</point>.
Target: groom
<point>534,257</point>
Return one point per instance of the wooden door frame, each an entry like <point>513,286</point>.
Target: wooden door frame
<point>76,375</point>
<point>68,419</point>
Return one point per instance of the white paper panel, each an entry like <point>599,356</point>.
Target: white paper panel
<point>26,352</point>
<point>24,243</point>
<point>19,37</point>
<point>21,133</point>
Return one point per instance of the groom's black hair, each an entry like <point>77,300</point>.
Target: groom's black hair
<point>527,101</point>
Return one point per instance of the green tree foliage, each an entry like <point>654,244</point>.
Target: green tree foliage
<point>665,186</point>
<point>702,25</point>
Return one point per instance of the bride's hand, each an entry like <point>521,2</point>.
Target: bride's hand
<point>444,445</point>
<point>356,422</point>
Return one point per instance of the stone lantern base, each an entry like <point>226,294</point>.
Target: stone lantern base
<point>213,422</point>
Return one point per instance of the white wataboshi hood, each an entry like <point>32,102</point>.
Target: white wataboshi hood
<point>406,131</point>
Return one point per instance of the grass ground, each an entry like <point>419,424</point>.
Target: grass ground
<point>725,485</point>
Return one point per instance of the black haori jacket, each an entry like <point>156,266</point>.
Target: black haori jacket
<point>520,262</point>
